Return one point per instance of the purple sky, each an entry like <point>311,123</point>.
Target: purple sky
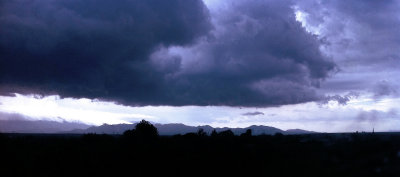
<point>327,66</point>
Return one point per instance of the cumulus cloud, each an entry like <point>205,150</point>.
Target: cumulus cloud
<point>155,52</point>
<point>256,55</point>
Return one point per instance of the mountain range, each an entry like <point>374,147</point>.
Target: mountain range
<point>174,129</point>
<point>16,123</point>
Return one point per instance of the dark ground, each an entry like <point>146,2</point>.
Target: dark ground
<point>361,154</point>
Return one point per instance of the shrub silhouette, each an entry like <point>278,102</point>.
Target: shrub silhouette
<point>143,129</point>
<point>129,133</point>
<point>190,135</point>
<point>226,133</point>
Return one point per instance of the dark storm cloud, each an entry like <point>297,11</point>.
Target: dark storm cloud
<point>93,48</point>
<point>155,52</point>
<point>257,55</point>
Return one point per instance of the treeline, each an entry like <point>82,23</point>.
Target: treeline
<point>146,130</point>
<point>141,152</point>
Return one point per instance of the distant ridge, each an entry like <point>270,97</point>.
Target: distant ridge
<point>38,126</point>
<point>177,128</point>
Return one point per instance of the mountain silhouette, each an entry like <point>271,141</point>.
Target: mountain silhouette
<point>177,128</point>
<point>38,126</point>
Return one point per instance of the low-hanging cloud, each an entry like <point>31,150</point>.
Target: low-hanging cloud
<point>13,122</point>
<point>155,52</point>
<point>384,88</point>
<point>372,118</point>
<point>340,99</point>
<point>256,113</point>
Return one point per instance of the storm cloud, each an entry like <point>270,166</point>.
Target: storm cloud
<point>155,52</point>
<point>362,37</point>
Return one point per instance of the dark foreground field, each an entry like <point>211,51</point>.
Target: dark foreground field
<point>362,154</point>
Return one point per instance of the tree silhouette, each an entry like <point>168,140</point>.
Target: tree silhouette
<point>129,133</point>
<point>214,133</point>
<point>278,135</point>
<point>226,133</point>
<point>143,129</point>
<point>247,133</point>
<point>201,132</point>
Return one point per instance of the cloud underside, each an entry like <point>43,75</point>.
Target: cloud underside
<point>155,52</point>
<point>362,37</point>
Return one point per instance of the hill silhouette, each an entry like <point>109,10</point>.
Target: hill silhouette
<point>174,129</point>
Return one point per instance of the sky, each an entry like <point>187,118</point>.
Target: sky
<point>327,66</point>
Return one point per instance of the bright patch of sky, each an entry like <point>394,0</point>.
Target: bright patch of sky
<point>302,18</point>
<point>69,109</point>
<point>360,114</point>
